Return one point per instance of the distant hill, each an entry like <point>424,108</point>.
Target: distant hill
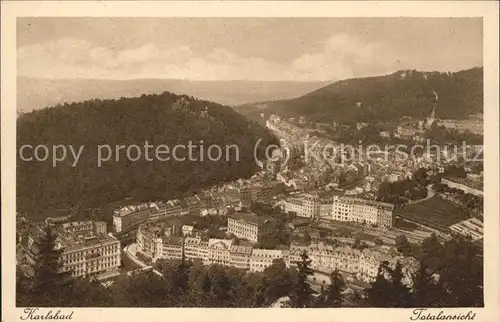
<point>166,119</point>
<point>36,93</point>
<point>389,97</point>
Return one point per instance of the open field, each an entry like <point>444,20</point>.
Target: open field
<point>435,212</point>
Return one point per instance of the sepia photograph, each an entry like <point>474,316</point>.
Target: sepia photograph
<point>251,162</point>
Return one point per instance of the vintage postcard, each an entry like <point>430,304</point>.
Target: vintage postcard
<point>330,160</point>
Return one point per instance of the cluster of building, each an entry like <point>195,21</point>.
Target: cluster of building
<point>238,194</point>
<point>291,135</point>
<point>363,264</point>
<point>341,208</point>
<point>86,249</point>
<point>155,242</point>
<point>410,128</point>
<point>304,205</point>
<point>156,238</point>
<point>130,217</point>
<point>295,181</point>
<point>326,161</point>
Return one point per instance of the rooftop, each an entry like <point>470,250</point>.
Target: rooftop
<point>268,252</point>
<point>251,218</point>
<point>379,204</point>
<point>154,228</point>
<point>70,245</point>
<point>192,241</point>
<point>172,240</point>
<point>241,249</point>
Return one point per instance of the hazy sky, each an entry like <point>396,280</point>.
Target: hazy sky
<point>299,49</point>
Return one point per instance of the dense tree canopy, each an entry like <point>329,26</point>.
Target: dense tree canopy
<point>165,119</point>
<point>389,97</point>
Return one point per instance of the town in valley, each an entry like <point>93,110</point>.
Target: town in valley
<point>365,191</point>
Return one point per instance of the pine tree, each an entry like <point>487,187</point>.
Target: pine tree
<point>301,296</point>
<point>400,293</point>
<point>426,291</point>
<point>49,282</point>
<point>379,293</point>
<point>432,250</point>
<point>403,245</point>
<point>331,296</point>
<point>389,290</point>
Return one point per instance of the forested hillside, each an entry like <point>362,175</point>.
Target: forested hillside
<point>166,119</point>
<point>404,93</point>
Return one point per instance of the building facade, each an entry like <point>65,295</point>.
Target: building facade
<point>247,225</point>
<point>359,264</point>
<point>203,252</point>
<point>100,227</point>
<point>93,256</point>
<point>126,220</point>
<point>350,209</point>
<point>187,230</point>
<point>219,251</point>
<point>306,205</point>
<point>148,236</point>
<point>191,248</point>
<point>240,256</point>
<point>172,247</point>
<point>263,258</point>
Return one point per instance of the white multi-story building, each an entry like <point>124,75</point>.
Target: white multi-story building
<point>360,264</point>
<point>351,209</point>
<point>84,252</point>
<point>100,227</point>
<point>191,248</point>
<point>129,218</point>
<point>187,230</point>
<point>247,225</point>
<point>203,252</point>
<point>219,251</point>
<point>240,256</point>
<point>95,256</point>
<point>263,258</point>
<point>306,205</point>
<point>172,247</point>
<point>149,238</point>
